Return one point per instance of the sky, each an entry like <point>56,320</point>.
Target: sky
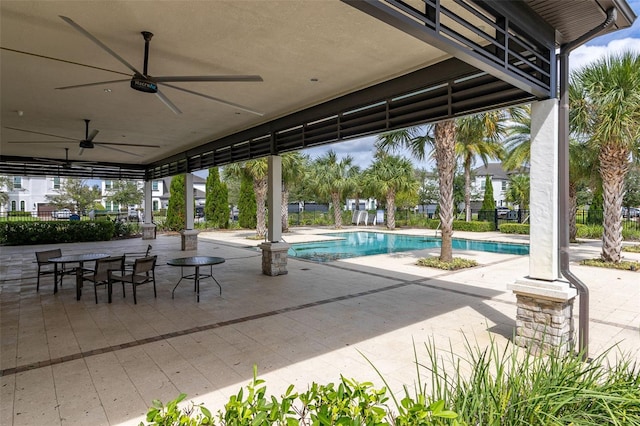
<point>628,39</point>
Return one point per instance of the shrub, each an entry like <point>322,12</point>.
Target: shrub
<point>50,232</point>
<point>456,263</point>
<point>514,228</point>
<point>461,225</point>
<point>624,265</point>
<point>18,213</point>
<point>635,248</point>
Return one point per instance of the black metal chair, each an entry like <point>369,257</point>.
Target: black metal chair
<point>47,268</point>
<point>101,275</point>
<point>143,272</point>
<point>132,256</point>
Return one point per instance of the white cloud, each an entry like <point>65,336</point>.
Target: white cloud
<point>586,54</point>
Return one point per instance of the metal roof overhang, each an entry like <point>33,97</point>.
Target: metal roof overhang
<point>513,63</point>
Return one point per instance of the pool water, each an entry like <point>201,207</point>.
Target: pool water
<point>356,244</point>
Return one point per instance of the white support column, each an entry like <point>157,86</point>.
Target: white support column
<point>189,235</point>
<point>545,303</point>
<point>274,251</point>
<point>148,227</point>
<point>274,199</point>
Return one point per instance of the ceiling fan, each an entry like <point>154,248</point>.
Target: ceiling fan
<point>87,142</point>
<point>66,163</point>
<point>144,82</point>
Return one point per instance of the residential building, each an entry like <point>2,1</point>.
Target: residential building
<point>29,194</point>
<point>499,179</point>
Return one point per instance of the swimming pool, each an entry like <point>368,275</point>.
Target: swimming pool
<point>355,244</point>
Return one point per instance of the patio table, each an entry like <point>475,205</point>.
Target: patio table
<point>196,262</point>
<point>73,258</point>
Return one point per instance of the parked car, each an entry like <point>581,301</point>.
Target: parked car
<point>630,212</point>
<point>199,212</point>
<point>61,214</point>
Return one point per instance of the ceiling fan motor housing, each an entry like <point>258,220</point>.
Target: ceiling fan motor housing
<point>143,84</point>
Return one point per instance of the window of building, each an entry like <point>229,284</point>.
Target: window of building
<point>483,184</point>
<point>108,184</point>
<point>13,206</point>
<point>107,205</point>
<point>504,185</point>
<point>21,206</point>
<point>155,206</point>
<point>56,183</point>
<point>154,185</point>
<point>17,182</point>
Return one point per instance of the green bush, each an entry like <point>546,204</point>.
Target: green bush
<point>461,225</point>
<point>347,403</point>
<point>51,232</point>
<point>18,213</point>
<point>514,228</point>
<point>594,232</point>
<point>455,264</point>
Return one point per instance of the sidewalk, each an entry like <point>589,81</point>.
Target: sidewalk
<point>69,362</point>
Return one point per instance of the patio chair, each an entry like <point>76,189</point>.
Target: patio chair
<point>143,272</point>
<point>102,273</point>
<point>47,268</point>
<point>130,257</point>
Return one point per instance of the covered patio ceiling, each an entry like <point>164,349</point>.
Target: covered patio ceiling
<point>331,70</point>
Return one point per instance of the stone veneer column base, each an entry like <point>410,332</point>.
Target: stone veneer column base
<point>274,258</point>
<point>544,320</point>
<point>189,239</point>
<point>148,231</point>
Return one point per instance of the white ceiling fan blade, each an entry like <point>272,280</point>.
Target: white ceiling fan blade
<point>168,103</point>
<point>40,133</point>
<point>99,83</point>
<point>99,43</point>
<point>221,78</point>
<point>231,104</point>
<point>81,151</point>
<point>119,150</point>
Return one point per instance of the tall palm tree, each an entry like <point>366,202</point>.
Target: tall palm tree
<point>445,153</point>
<point>258,171</point>
<point>605,111</point>
<point>442,137</point>
<point>517,144</point>
<point>478,136</point>
<point>333,178</point>
<point>391,174</point>
<point>294,167</point>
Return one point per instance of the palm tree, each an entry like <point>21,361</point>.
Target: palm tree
<point>333,179</point>
<point>258,171</point>
<point>442,136</point>
<point>294,166</point>
<point>391,174</point>
<point>517,144</point>
<point>519,191</point>
<point>478,136</point>
<point>605,112</point>
<point>445,153</point>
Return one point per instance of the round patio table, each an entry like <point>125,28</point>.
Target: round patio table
<point>73,258</point>
<point>196,262</point>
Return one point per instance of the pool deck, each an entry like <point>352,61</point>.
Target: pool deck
<point>68,362</point>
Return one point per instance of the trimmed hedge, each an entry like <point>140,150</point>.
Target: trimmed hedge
<point>52,232</point>
<point>514,228</point>
<point>461,225</point>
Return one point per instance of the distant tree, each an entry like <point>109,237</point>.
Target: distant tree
<point>75,193</point>
<point>176,210</point>
<point>216,207</point>
<point>294,167</point>
<point>125,193</point>
<point>518,191</point>
<point>391,175</point>
<point>488,203</point>
<point>247,203</point>
<point>332,179</point>
<point>428,191</point>
<point>595,215</point>
<point>6,185</point>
